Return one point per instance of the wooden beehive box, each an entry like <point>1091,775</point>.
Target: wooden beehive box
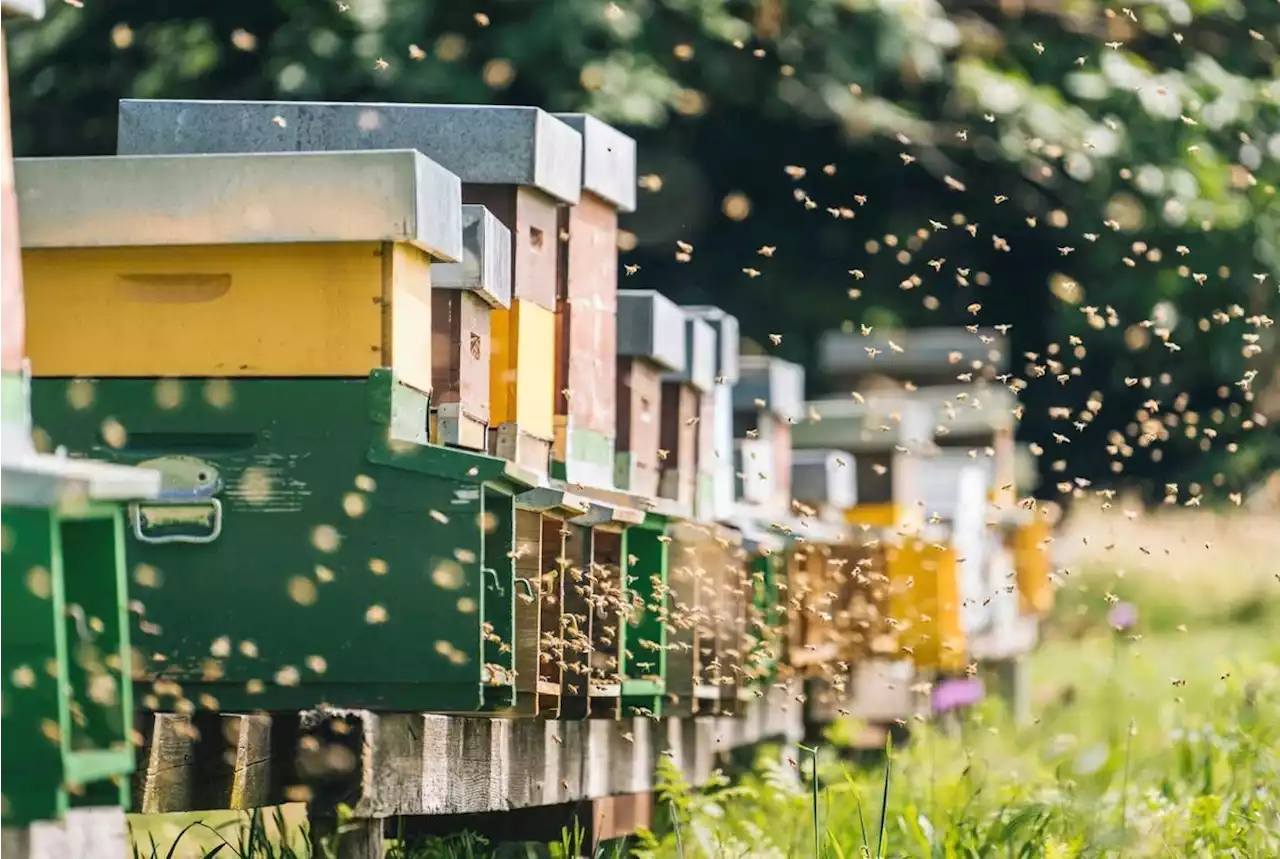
<point>889,442</point>
<point>716,493</point>
<point>923,356</point>
<point>651,341</point>
<point>684,395</point>
<point>518,162</point>
<point>587,304</point>
<point>768,400</point>
<point>291,265</point>
<point>824,481</point>
<point>463,297</point>
<point>975,423</point>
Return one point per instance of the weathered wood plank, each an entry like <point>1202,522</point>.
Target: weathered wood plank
<point>164,777</point>
<point>85,833</point>
<point>392,764</point>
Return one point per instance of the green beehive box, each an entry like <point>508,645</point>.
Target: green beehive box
<point>338,558</point>
<point>644,646</point>
<point>613,592</point>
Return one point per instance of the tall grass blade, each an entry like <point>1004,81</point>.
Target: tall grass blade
<point>884,798</point>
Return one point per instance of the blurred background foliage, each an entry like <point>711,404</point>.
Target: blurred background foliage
<point>1119,161</point>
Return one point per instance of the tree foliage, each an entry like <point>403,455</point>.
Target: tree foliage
<point>1100,176</point>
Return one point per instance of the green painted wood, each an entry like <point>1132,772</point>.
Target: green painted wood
<point>348,565</point>
<point>644,663</point>
<point>67,704</point>
<point>767,615</point>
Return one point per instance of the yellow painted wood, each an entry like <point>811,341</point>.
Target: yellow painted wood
<point>924,598</point>
<point>240,310</point>
<point>882,515</point>
<point>409,316</point>
<point>522,375</point>
<point>1032,566</point>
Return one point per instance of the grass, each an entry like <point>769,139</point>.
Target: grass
<point>1160,742</point>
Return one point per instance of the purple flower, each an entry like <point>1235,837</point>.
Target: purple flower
<point>957,692</point>
<point>1123,616</point>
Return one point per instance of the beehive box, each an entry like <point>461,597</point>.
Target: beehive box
<point>767,400</point>
<point>1034,564</point>
<point>300,493</point>
<point>189,265</point>
<point>684,399</point>
<point>925,602</point>
<point>710,619</point>
<point>587,304</point>
<point>716,482</point>
<point>518,162</point>
<point>651,341</point>
<point>889,440</point>
<point>463,297</point>
<point>825,481</point>
<point>542,564</point>
<point>601,595</point>
<point>924,356</point>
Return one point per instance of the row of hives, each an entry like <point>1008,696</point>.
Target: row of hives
<point>376,430</point>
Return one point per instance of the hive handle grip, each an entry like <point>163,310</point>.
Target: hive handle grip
<point>136,516</point>
<point>528,586</point>
<point>497,582</point>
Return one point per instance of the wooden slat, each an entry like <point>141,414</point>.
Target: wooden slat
<point>210,761</point>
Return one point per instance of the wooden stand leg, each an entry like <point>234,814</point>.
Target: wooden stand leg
<point>1013,677</point>
<point>360,838</point>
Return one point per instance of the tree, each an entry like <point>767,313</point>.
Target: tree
<point>1117,164</point>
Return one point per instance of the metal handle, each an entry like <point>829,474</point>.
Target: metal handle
<point>497,582</point>
<point>135,516</point>
<point>528,584</point>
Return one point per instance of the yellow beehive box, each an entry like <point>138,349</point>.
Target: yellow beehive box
<point>279,265</point>
<point>924,602</point>
<point>1033,566</point>
<point>522,382</point>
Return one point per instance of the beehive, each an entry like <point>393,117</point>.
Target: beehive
<point>716,483</point>
<point>518,162</point>
<point>300,492</point>
<point>888,441</point>
<point>587,304</point>
<point>767,401</point>
<point>463,297</point>
<point>684,396</point>
<point>542,563</point>
<point>925,603</point>
<point>651,341</point>
<point>710,619</point>
<point>922,356</point>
